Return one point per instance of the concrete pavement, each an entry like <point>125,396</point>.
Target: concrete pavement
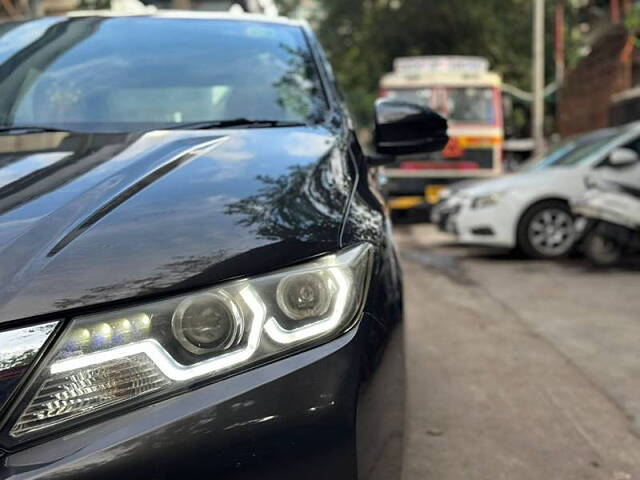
<point>518,369</point>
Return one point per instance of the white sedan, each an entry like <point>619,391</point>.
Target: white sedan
<point>530,210</point>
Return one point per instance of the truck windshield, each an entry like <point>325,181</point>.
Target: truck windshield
<point>135,73</point>
<point>422,96</point>
<point>469,105</point>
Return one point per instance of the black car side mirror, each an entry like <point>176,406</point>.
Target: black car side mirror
<point>404,128</point>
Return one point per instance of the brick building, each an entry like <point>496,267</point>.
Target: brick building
<point>596,93</point>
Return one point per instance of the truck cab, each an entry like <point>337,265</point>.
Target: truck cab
<point>469,95</point>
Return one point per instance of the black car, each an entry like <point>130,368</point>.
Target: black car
<point>196,278</point>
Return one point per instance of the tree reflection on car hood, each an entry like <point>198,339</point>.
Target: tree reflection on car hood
<point>93,218</point>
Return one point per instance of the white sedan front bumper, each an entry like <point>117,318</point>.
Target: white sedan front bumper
<point>493,225</point>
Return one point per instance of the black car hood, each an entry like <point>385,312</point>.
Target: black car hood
<point>87,219</point>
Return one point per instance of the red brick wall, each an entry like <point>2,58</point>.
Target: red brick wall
<point>585,100</point>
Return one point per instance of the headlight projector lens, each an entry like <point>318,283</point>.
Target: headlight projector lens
<point>304,296</point>
<point>207,323</point>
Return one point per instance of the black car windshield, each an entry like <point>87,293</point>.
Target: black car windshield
<point>136,73</point>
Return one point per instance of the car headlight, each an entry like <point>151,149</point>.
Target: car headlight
<point>488,200</point>
<point>19,347</point>
<point>446,194</point>
<point>109,359</point>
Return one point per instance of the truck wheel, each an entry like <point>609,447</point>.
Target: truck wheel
<point>600,250</point>
<point>546,230</point>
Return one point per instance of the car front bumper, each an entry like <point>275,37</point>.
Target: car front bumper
<point>294,418</point>
<point>493,226</point>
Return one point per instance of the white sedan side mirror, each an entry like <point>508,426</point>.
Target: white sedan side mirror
<point>623,156</point>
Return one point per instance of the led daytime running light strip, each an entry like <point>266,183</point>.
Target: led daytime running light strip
<point>165,363</point>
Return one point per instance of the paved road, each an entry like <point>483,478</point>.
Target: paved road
<point>518,369</point>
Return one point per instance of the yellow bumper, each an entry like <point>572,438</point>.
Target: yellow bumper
<point>405,203</point>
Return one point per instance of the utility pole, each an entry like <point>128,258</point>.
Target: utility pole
<point>181,4</point>
<point>560,39</point>
<point>538,76</point>
<point>615,11</point>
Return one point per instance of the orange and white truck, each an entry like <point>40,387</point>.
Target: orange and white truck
<point>469,95</point>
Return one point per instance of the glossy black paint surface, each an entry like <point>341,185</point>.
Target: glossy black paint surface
<point>91,221</point>
<point>246,427</point>
<point>159,211</point>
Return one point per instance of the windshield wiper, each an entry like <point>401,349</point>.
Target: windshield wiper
<point>29,129</point>
<point>236,122</point>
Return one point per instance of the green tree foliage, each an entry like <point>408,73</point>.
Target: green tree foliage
<point>364,36</point>
<point>632,22</point>
<point>287,7</point>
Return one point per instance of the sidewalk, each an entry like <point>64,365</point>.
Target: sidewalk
<point>488,397</point>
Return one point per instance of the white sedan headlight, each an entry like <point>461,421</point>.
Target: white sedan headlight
<point>487,200</point>
<point>122,356</point>
<point>446,194</point>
